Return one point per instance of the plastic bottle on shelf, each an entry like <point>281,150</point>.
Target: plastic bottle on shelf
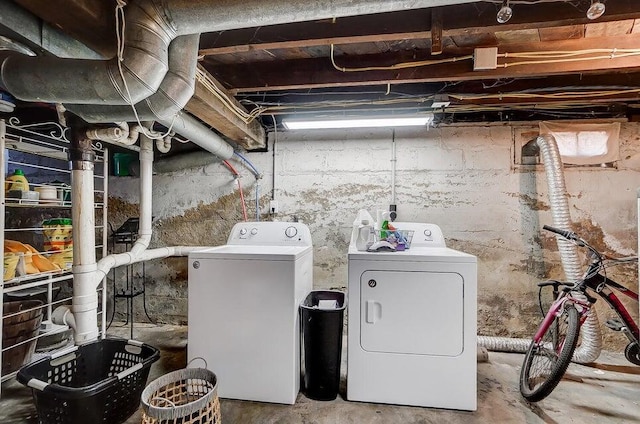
<point>17,181</point>
<point>365,232</point>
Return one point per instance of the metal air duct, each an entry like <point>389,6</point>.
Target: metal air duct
<point>174,92</point>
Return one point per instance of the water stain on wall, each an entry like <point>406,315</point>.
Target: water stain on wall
<point>531,202</point>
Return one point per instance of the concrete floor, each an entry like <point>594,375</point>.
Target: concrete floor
<point>606,392</point>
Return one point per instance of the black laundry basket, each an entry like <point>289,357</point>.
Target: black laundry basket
<point>99,382</point>
<point>322,343</point>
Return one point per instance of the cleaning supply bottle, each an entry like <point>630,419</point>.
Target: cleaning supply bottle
<point>17,181</point>
<point>365,232</point>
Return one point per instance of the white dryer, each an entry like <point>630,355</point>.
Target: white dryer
<point>243,309</point>
<point>412,324</point>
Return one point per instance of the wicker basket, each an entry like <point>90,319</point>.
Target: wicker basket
<point>186,396</point>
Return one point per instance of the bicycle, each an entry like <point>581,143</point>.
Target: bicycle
<point>553,344</point>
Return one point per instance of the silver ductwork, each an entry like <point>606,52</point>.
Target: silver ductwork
<point>165,106</point>
<point>591,344</point>
<point>206,16</point>
<point>174,92</point>
<point>144,65</point>
<point>150,27</point>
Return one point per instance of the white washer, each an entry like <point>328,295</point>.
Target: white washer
<point>412,324</point>
<point>243,309</point>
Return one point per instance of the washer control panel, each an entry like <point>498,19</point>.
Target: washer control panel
<point>268,233</point>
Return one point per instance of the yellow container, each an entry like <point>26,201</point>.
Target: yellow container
<point>10,264</point>
<point>17,181</point>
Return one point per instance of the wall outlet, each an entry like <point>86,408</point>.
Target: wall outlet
<point>273,207</point>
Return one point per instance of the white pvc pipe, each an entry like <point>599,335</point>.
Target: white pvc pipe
<point>85,298</point>
<point>139,251</point>
<point>146,189</point>
<point>164,145</point>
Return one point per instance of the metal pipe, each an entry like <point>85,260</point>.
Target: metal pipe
<point>394,161</point>
<point>191,16</point>
<point>189,127</point>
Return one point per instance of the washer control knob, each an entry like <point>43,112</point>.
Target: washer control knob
<point>254,231</point>
<point>427,233</point>
<point>243,231</point>
<point>291,232</point>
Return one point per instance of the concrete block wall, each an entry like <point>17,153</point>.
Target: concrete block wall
<point>460,177</point>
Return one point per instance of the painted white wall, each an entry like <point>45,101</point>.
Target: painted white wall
<point>459,177</point>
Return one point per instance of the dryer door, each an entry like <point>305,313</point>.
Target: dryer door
<point>412,312</point>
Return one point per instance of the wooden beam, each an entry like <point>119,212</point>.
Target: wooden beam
<point>208,108</point>
<point>316,73</point>
<point>465,20</point>
<point>436,31</point>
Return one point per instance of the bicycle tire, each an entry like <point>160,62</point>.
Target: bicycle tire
<point>543,368</point>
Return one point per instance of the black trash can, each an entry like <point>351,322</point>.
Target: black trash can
<point>322,314</point>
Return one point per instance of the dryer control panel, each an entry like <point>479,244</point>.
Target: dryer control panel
<point>424,235</point>
<point>268,233</point>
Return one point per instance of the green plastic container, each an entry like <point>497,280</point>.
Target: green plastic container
<point>121,163</point>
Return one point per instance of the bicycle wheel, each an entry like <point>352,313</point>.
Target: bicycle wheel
<point>546,361</point>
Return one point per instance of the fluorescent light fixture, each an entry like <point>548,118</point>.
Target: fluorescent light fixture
<point>396,121</point>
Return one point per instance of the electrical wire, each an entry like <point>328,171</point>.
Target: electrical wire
<point>208,83</point>
<point>560,95</point>
<point>244,205</point>
<point>120,35</point>
<point>401,65</point>
<point>566,60</point>
<point>257,175</point>
<point>253,169</point>
<point>236,174</point>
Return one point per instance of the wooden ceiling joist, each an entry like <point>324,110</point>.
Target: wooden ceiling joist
<point>210,109</point>
<point>317,73</point>
<point>455,21</point>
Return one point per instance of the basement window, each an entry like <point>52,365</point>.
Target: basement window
<point>580,144</point>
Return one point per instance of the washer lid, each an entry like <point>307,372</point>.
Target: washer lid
<point>244,252</point>
<point>417,254</point>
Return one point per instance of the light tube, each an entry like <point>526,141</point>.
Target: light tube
<point>358,122</point>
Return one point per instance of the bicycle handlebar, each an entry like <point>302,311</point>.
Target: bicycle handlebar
<point>569,235</point>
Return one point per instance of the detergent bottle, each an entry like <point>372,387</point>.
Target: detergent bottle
<point>17,181</point>
<point>364,240</point>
